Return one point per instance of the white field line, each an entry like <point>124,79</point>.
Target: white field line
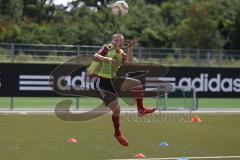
<point>179,158</point>
<point>129,110</point>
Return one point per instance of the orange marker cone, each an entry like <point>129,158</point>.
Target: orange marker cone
<point>140,155</point>
<point>72,140</point>
<point>196,119</point>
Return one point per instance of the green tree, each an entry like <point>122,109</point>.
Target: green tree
<point>4,7</point>
<point>39,10</point>
<point>235,33</point>
<point>12,8</point>
<point>16,9</point>
<point>199,30</point>
<point>163,23</point>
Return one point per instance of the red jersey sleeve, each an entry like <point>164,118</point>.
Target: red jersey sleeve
<point>103,51</point>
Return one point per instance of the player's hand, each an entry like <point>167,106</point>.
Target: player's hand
<point>133,42</point>
<point>111,60</point>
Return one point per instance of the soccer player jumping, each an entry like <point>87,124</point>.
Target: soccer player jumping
<point>104,66</point>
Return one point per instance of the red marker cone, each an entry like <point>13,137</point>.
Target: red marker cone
<point>72,140</point>
<point>196,119</point>
<point>140,155</point>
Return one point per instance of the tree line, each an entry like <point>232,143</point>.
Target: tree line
<point>204,24</point>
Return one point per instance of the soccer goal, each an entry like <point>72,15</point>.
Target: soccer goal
<point>171,97</point>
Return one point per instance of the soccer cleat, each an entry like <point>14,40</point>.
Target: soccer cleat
<point>122,140</point>
<point>142,112</point>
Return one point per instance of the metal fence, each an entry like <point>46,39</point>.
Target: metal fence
<point>38,53</point>
<point>42,53</point>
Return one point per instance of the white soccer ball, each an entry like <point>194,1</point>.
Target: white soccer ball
<point>120,8</point>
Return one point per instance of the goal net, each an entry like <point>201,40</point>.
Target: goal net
<point>171,97</point>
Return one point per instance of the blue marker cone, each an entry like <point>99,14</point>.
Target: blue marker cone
<point>163,144</point>
<point>182,158</point>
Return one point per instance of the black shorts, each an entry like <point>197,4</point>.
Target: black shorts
<point>108,89</point>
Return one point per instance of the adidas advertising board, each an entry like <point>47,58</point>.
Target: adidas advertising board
<point>38,80</point>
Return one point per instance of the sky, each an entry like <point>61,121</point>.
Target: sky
<point>63,2</point>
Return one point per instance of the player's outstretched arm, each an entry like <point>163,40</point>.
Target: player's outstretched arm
<point>130,46</point>
<point>99,58</point>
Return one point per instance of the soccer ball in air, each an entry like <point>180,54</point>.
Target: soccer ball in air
<point>119,8</point>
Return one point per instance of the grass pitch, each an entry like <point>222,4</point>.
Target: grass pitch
<point>43,137</point>
<point>84,102</point>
